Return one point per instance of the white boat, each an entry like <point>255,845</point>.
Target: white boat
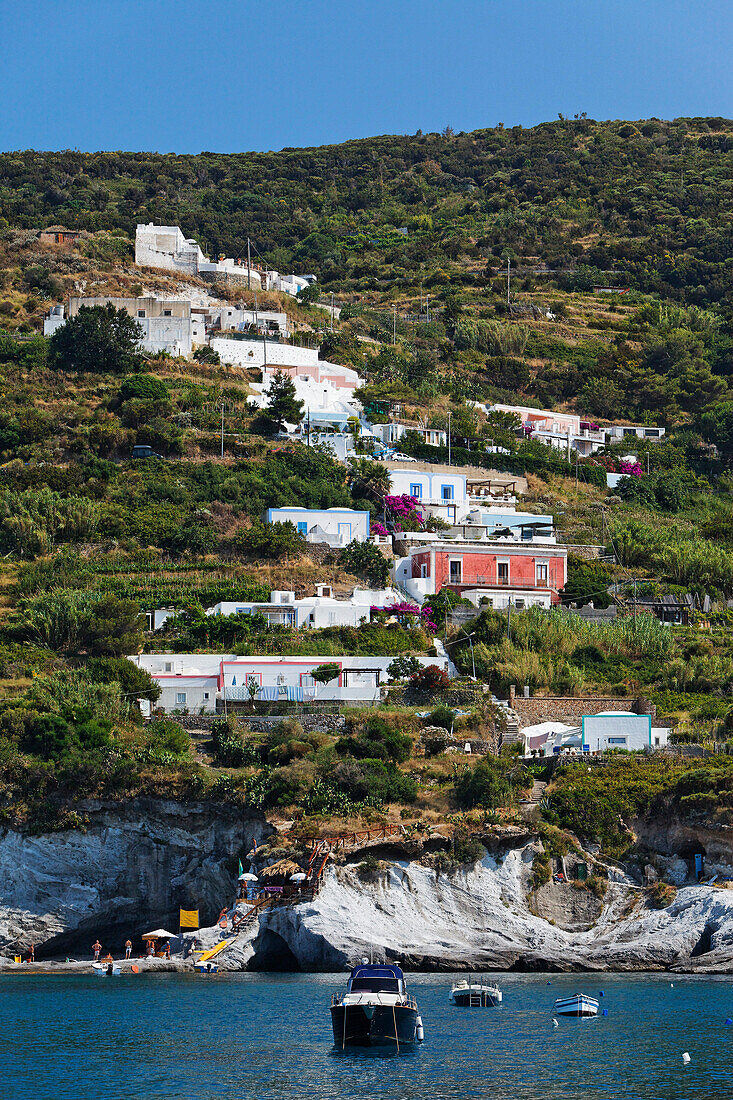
<point>577,1005</point>
<point>207,967</point>
<point>107,970</point>
<point>474,995</point>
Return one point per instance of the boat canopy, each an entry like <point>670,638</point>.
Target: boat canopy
<point>371,978</point>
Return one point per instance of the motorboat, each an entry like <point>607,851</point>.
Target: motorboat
<point>375,1009</point>
<point>107,969</point>
<point>207,967</point>
<point>577,1005</point>
<point>474,995</point>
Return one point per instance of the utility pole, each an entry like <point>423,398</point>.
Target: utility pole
<point>222,429</point>
<point>257,325</point>
<point>309,426</point>
<point>332,311</point>
<point>647,464</point>
<point>264,344</point>
<point>394,324</point>
<point>249,267</point>
<point>427,307</point>
<point>508,281</point>
<point>449,439</point>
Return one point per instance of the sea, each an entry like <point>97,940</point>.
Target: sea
<point>268,1036</point>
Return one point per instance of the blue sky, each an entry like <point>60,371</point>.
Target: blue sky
<point>234,75</point>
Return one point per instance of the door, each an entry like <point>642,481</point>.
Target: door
<point>345,533</point>
<point>456,571</point>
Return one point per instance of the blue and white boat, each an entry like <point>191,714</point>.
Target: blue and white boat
<point>375,1009</point>
<point>577,1005</point>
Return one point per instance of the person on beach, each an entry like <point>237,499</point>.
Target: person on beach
<point>128,948</point>
<point>32,953</point>
<point>167,949</point>
<point>150,945</point>
<point>96,948</point>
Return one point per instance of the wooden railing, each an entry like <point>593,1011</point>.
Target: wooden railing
<point>347,840</point>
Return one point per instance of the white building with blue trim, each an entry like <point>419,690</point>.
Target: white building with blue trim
<point>332,526</point>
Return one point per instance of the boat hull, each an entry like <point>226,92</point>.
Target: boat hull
<point>477,998</point>
<point>373,1025</point>
<point>576,1006</point>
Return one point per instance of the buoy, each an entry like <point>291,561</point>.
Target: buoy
<point>671,985</point>
<point>555,1022</point>
<point>601,994</point>
<point>686,1058</point>
<point>549,983</point>
<point>420,1031</point>
<point>605,1012</point>
<point>729,1022</point>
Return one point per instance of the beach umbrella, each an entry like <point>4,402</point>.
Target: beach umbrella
<point>300,877</point>
<point>158,934</point>
<point>247,877</point>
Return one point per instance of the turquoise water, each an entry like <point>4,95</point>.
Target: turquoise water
<point>232,1037</point>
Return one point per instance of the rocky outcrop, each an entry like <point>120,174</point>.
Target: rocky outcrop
<point>479,918</point>
<point>130,869</point>
<point>134,867</point>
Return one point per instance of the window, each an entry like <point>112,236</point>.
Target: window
<point>141,313</point>
<point>502,572</point>
<point>302,527</point>
<point>423,570</point>
<point>617,740</point>
<point>206,695</point>
<point>446,492</point>
<point>180,698</point>
<point>168,666</point>
<point>416,491</point>
<point>456,571</point>
<point>541,574</point>
<point>167,313</point>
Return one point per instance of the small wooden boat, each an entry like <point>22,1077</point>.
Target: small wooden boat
<point>474,995</point>
<point>577,1005</point>
<point>107,969</point>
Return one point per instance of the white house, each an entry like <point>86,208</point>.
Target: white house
<point>164,246</point>
<point>166,323</point>
<point>564,431</point>
<point>632,431</point>
<point>237,319</point>
<point>334,526</point>
<point>288,284</point>
<point>439,494</point>
<point>195,682</point>
<point>607,730</point>
<point>393,431</point>
<point>313,612</point>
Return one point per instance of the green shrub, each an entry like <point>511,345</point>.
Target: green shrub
<point>165,735</point>
<point>377,741</point>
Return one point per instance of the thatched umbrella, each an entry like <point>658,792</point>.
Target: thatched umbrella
<point>283,867</point>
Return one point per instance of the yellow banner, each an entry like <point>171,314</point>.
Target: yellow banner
<point>189,918</point>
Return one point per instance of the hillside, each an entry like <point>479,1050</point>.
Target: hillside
<point>646,203</point>
<point>412,235</point>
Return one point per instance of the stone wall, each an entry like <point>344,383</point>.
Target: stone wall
<point>571,708</point>
<point>262,723</point>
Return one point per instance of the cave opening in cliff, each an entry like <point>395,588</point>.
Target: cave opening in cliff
<point>271,952</point>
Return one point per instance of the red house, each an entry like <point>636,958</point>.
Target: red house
<point>503,571</point>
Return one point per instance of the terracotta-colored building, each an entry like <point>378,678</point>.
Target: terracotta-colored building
<point>501,570</point>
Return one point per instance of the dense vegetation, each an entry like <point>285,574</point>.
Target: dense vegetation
<point>91,539</point>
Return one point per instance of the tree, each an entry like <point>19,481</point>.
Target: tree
<point>368,478</point>
<point>207,355</point>
<point>101,339</point>
<point>325,673</point>
<point>365,560</point>
<point>283,406</point>
<point>403,667</point>
<point>143,387</point>
<point>114,627</point>
<point>270,540</point>
<point>133,681</point>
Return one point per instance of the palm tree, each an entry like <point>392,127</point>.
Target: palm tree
<point>368,477</point>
